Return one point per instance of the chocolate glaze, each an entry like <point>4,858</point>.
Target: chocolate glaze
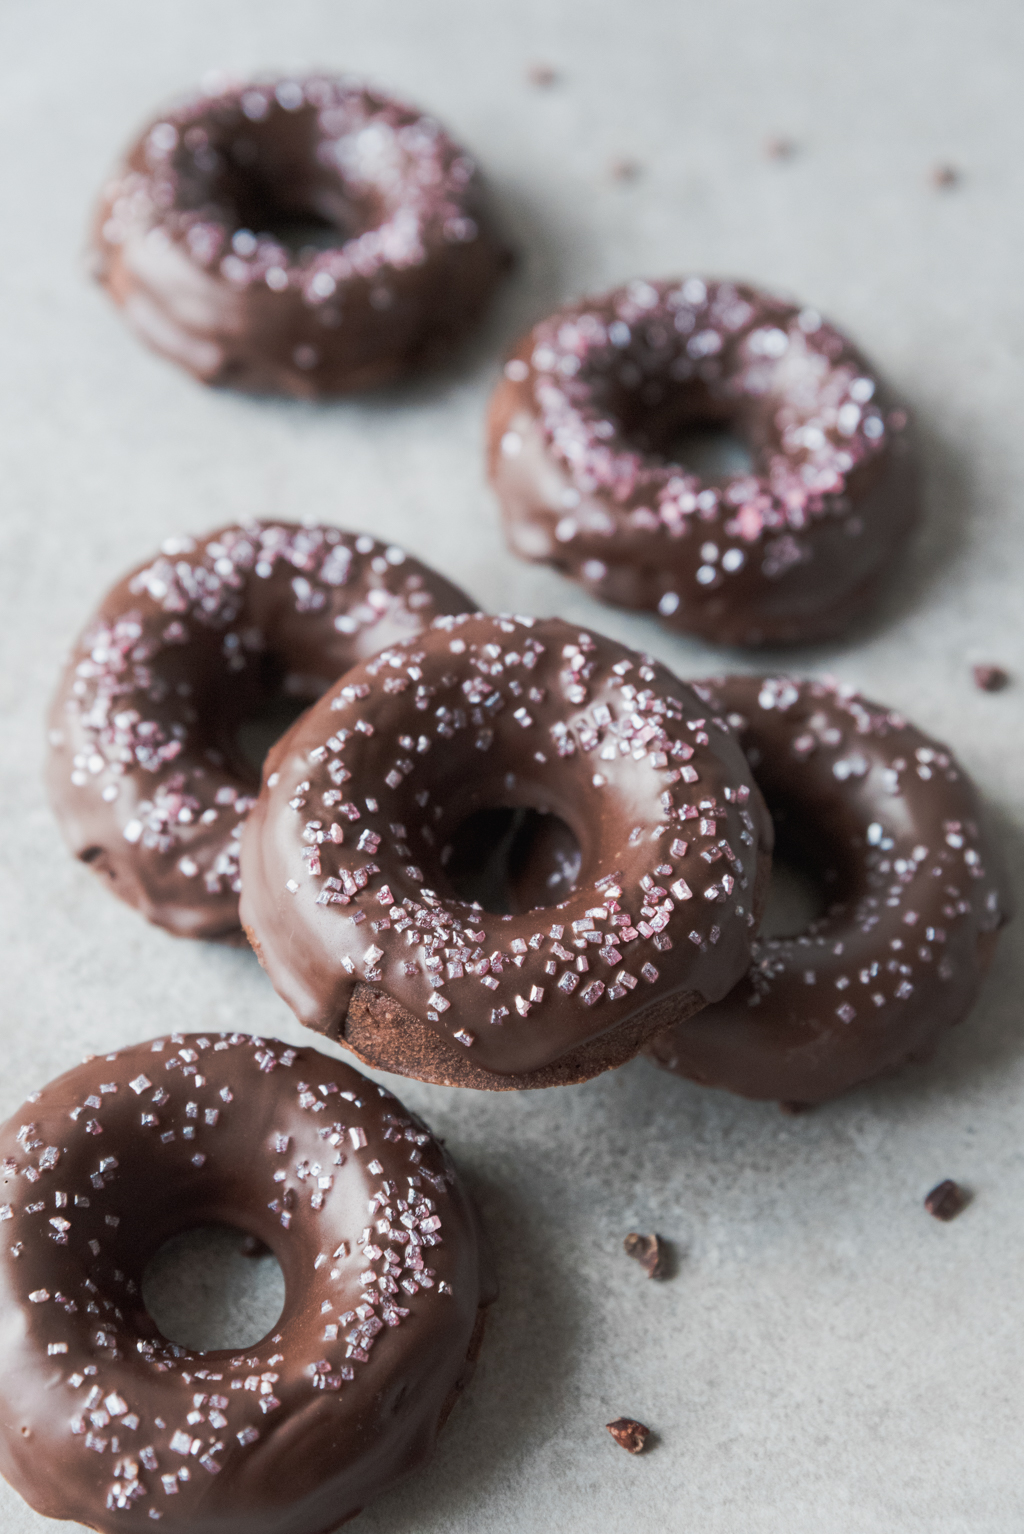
<point>345,890</point>
<point>145,773</point>
<point>308,237</point>
<point>106,1422</point>
<point>893,828</point>
<point>582,457</point>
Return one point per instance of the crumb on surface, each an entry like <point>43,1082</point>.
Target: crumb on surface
<point>990,678</point>
<point>649,1251</point>
<point>778,147</point>
<point>946,1200</point>
<point>629,1434</point>
<point>542,75</point>
<point>624,168</point>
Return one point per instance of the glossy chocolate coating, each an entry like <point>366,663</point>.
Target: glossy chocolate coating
<point>102,1419</point>
<point>145,772</point>
<point>893,829</point>
<point>583,459</point>
<point>307,237</point>
<point>345,893</point>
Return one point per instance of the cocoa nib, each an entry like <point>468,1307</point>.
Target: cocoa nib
<point>629,1434</point>
<point>649,1251</point>
<point>990,678</point>
<point>946,1200</point>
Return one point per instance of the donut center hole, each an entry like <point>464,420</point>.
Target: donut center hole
<point>256,719</point>
<point>299,230</point>
<point>255,734</point>
<point>265,180</point>
<point>214,1287</point>
<point>511,859</point>
<point>277,190</point>
<point>804,883</point>
<point>712,450</point>
<point>694,437</point>
<point>686,425</point>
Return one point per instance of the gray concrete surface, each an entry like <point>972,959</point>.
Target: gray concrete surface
<point>827,1359</point>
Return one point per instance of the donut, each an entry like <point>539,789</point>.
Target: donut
<point>635,843</point>
<point>892,829</point>
<point>105,1421</point>
<point>588,454</point>
<point>145,771</point>
<point>306,237</point>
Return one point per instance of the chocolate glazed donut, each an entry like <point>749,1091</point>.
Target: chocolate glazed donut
<point>586,459</point>
<point>103,1420</point>
<point>893,829</point>
<point>305,237</point>
<point>145,772</point>
<point>643,810</point>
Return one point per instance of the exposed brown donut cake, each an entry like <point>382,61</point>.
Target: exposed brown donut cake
<point>299,236</point>
<point>585,458</point>
<point>145,772</point>
<point>658,838</point>
<point>893,829</point>
<point>106,1422</point>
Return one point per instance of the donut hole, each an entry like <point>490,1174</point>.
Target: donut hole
<point>807,875</point>
<point>492,830</point>
<point>510,859</point>
<point>256,714</point>
<point>688,426</point>
<point>310,222</point>
<point>712,450</point>
<point>302,231</point>
<point>257,732</point>
<point>651,399</point>
<point>266,180</point>
<point>214,1287</point>
<point>796,900</point>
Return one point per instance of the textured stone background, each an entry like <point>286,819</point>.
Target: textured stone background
<point>827,1357</point>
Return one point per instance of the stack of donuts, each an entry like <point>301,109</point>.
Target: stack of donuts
<point>620,820</point>
<point>488,851</point>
